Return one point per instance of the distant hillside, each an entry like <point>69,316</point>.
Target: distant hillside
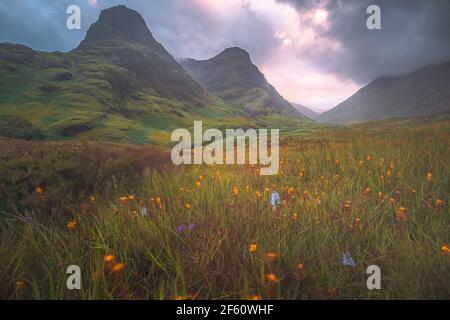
<point>305,111</point>
<point>423,92</point>
<point>119,84</point>
<point>232,76</point>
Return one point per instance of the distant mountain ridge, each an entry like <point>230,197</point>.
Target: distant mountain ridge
<point>420,93</point>
<point>305,111</point>
<point>232,76</point>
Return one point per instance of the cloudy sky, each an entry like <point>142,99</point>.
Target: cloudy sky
<point>315,52</point>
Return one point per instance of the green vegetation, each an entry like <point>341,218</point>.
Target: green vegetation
<point>383,198</point>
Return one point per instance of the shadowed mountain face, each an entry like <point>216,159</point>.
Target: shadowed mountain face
<point>122,37</point>
<point>423,92</point>
<point>120,24</point>
<point>232,76</point>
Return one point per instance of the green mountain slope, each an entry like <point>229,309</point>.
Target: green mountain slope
<point>120,84</point>
<point>233,77</point>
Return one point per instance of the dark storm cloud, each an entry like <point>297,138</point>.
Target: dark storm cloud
<point>414,33</point>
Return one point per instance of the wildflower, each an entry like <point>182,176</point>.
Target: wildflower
<point>271,256</point>
<point>181,228</point>
<point>272,277</point>
<point>109,258</point>
<point>26,219</point>
<point>367,192</point>
<point>183,297</point>
<point>117,267</point>
<point>358,223</point>
<point>402,214</point>
<point>305,195</point>
<point>392,201</point>
<point>39,190</point>
<point>254,297</point>
<point>252,247</point>
<point>369,158</point>
<point>258,194</point>
<point>132,197</point>
<point>71,225</point>
<point>290,191</point>
<point>235,191</point>
<point>198,184</point>
<point>144,211</point>
<point>347,260</point>
<point>445,249</point>
<point>19,285</point>
<point>191,226</point>
<point>347,207</point>
<point>295,216</point>
<point>188,206</point>
<point>123,201</point>
<point>275,199</point>
<point>300,266</point>
<point>429,177</point>
<point>92,198</point>
<point>439,203</point>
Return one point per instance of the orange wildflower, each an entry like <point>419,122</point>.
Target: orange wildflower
<point>272,277</point>
<point>39,190</point>
<point>19,285</point>
<point>255,297</point>
<point>445,249</point>
<point>117,267</point>
<point>439,203</point>
<point>252,247</point>
<point>347,207</point>
<point>402,214</point>
<point>271,256</point>
<point>71,225</point>
<point>109,258</point>
<point>429,177</point>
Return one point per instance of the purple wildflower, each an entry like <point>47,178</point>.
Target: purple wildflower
<point>26,219</point>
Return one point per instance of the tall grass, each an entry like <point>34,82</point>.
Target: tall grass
<point>368,195</point>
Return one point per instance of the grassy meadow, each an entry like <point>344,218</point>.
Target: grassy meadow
<point>210,232</point>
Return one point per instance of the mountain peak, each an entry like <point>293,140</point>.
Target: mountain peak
<point>234,52</point>
<point>118,24</point>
